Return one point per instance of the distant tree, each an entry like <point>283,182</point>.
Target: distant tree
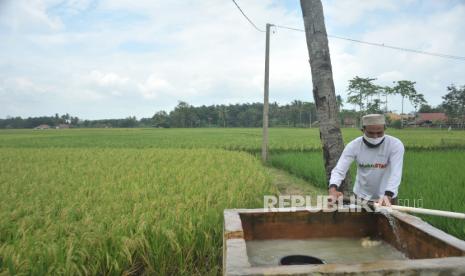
<point>374,107</point>
<point>454,103</point>
<point>130,121</point>
<point>310,115</point>
<point>406,89</point>
<point>418,100</point>
<point>297,113</point>
<point>161,119</point>
<point>182,115</point>
<point>360,90</point>
<point>222,115</point>
<point>65,119</point>
<point>386,91</point>
<point>426,108</point>
<point>296,108</point>
<point>145,122</point>
<point>74,120</point>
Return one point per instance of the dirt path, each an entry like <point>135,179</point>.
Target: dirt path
<point>288,184</point>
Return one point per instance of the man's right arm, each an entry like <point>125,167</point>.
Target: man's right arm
<point>339,172</point>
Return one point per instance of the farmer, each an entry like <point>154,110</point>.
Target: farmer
<point>379,159</point>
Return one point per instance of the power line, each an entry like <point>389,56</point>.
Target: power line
<point>400,48</point>
<point>289,28</point>
<point>382,45</point>
<point>248,19</point>
<point>358,41</point>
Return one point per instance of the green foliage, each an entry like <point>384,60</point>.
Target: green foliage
<point>418,100</point>
<point>407,90</point>
<point>367,95</point>
<point>454,103</point>
<point>374,107</point>
<point>360,89</point>
<point>396,124</point>
<point>161,119</point>
<point>426,108</point>
<point>184,115</point>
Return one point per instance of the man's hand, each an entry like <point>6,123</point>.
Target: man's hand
<point>385,201</point>
<point>334,194</point>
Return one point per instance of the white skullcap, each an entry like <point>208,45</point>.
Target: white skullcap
<point>373,119</point>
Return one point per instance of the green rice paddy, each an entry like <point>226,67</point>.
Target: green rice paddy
<point>133,201</point>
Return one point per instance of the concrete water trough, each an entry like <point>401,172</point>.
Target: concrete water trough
<point>306,242</point>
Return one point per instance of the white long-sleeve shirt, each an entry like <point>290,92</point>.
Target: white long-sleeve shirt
<point>379,169</point>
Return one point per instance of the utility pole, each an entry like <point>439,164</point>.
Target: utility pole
<point>266,95</point>
<point>323,87</point>
<point>402,114</point>
<point>310,117</point>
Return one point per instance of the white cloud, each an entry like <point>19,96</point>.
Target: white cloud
<point>389,77</point>
<point>27,15</point>
<point>22,87</point>
<point>106,84</point>
<point>75,6</point>
<point>154,86</point>
<point>348,12</point>
<point>108,79</point>
<point>432,74</point>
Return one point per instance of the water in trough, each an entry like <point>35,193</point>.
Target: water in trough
<point>329,250</point>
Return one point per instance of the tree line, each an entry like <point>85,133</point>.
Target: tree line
<point>294,114</point>
<point>372,98</point>
<point>363,93</point>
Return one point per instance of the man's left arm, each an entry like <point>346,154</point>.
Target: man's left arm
<point>396,163</point>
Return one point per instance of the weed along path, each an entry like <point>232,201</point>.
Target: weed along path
<point>289,184</point>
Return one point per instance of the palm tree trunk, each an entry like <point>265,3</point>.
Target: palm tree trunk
<point>323,87</point>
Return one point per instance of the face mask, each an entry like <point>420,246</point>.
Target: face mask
<point>373,141</point>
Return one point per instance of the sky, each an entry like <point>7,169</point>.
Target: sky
<point>99,59</point>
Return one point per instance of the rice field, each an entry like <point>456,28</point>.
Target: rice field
<point>244,139</point>
<point>120,211</point>
<point>133,201</point>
